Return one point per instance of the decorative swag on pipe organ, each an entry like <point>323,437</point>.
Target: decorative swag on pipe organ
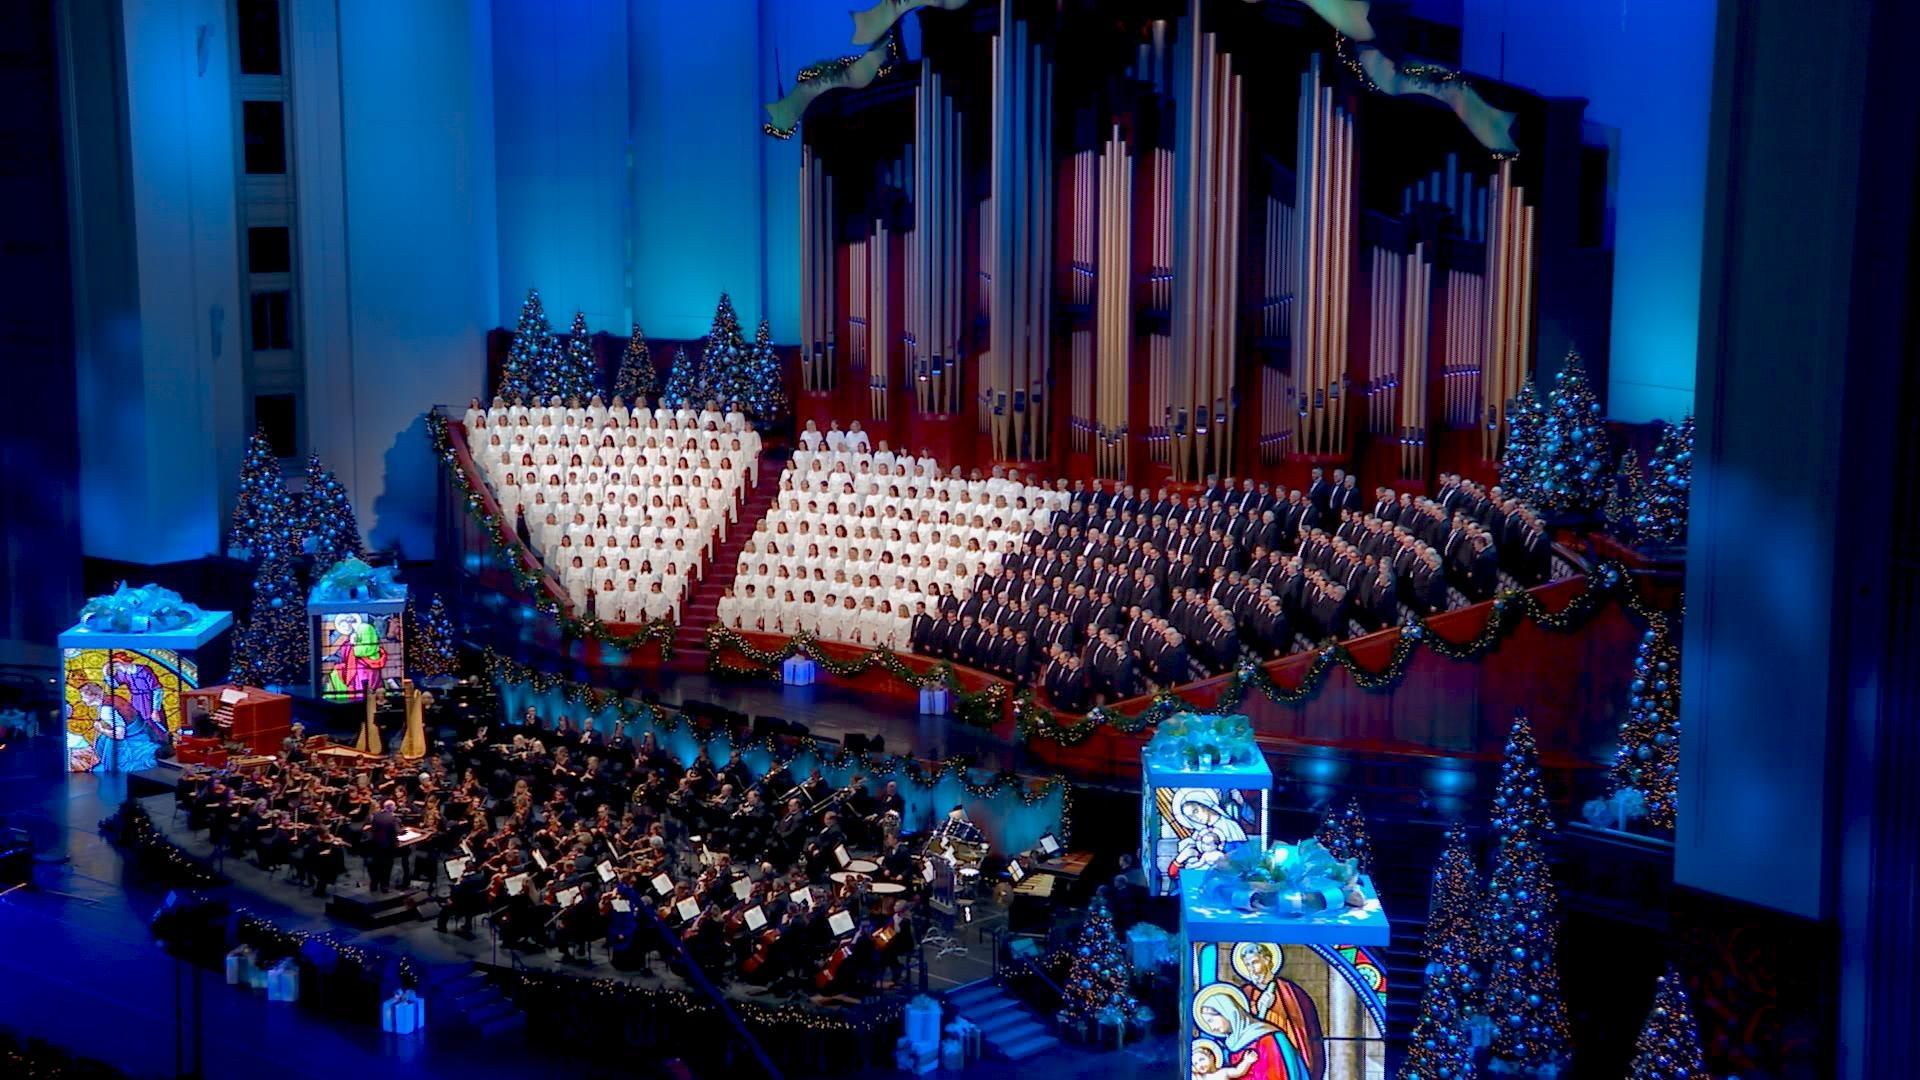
<point>1143,255</point>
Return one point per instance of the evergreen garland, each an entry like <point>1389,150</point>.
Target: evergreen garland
<point>636,379</point>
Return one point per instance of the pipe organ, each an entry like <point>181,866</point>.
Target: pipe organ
<point>1401,291</point>
<point>1509,310</point>
<point>935,257</point>
<point>1324,198</point>
<point>1178,268</point>
<point>817,256</point>
<point>1016,369</point>
<point>1206,259</point>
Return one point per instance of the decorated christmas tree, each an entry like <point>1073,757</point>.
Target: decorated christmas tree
<point>1669,1044</point>
<point>578,374</point>
<point>265,519</point>
<point>1570,469</point>
<point>1661,510</point>
<point>1522,1000</point>
<point>1101,974</point>
<point>1648,760</point>
<point>1624,497</point>
<point>635,380</point>
<point>1520,801</point>
<point>330,522</point>
<point>1522,452</point>
<point>529,358</point>
<point>1343,833</point>
<point>723,359</point>
<point>1441,1047</point>
<point>430,642</point>
<point>1453,902</point>
<point>683,382</point>
<point>270,648</point>
<point>759,389</point>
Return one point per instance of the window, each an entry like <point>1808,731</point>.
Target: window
<point>268,251</point>
<point>272,325</point>
<point>265,127</point>
<point>275,413</point>
<point>259,37</point>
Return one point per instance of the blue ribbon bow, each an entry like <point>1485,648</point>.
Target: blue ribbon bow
<point>148,609</point>
<point>353,579</point>
<point>1203,741</point>
<point>1293,879</point>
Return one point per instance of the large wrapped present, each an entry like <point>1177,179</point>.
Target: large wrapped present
<point>1149,946</point>
<point>403,1014</point>
<point>240,966</point>
<point>953,1056</point>
<point>1289,940</point>
<point>923,1021</point>
<point>125,664</point>
<point>283,981</point>
<point>799,670</point>
<point>967,1034</point>
<point>1204,796</point>
<point>359,629</point>
<point>917,1060</point>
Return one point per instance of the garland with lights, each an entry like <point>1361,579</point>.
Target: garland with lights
<point>1511,609</point>
<point>503,671</point>
<point>151,854</point>
<point>981,708</point>
<point>506,551</point>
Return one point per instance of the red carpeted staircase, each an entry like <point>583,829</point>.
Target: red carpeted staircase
<point>699,610</point>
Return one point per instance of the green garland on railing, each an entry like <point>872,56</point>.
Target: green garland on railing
<point>1511,609</point>
<point>659,632</point>
<point>979,708</point>
<point>502,670</point>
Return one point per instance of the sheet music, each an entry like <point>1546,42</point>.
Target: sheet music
<point>687,908</point>
<point>742,888</point>
<point>605,870</point>
<point>540,860</point>
<point>620,904</point>
<point>456,869</point>
<point>926,870</point>
<point>1013,868</point>
<point>803,897</point>
<point>516,884</point>
<point>1049,845</point>
<point>840,922</point>
<point>567,897</point>
<point>230,695</point>
<point>662,884</point>
<point>840,855</point>
<point>756,918</point>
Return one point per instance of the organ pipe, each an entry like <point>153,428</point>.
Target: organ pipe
<point>1114,310</point>
<point>1508,337</point>
<point>1207,264</point>
<point>1159,299</point>
<point>1324,202</point>
<point>932,328</point>
<point>1016,372</point>
<point>817,302</point>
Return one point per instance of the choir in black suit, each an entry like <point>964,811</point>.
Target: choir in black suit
<point>1125,591</point>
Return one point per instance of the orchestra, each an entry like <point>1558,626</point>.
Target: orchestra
<point>561,839</point>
